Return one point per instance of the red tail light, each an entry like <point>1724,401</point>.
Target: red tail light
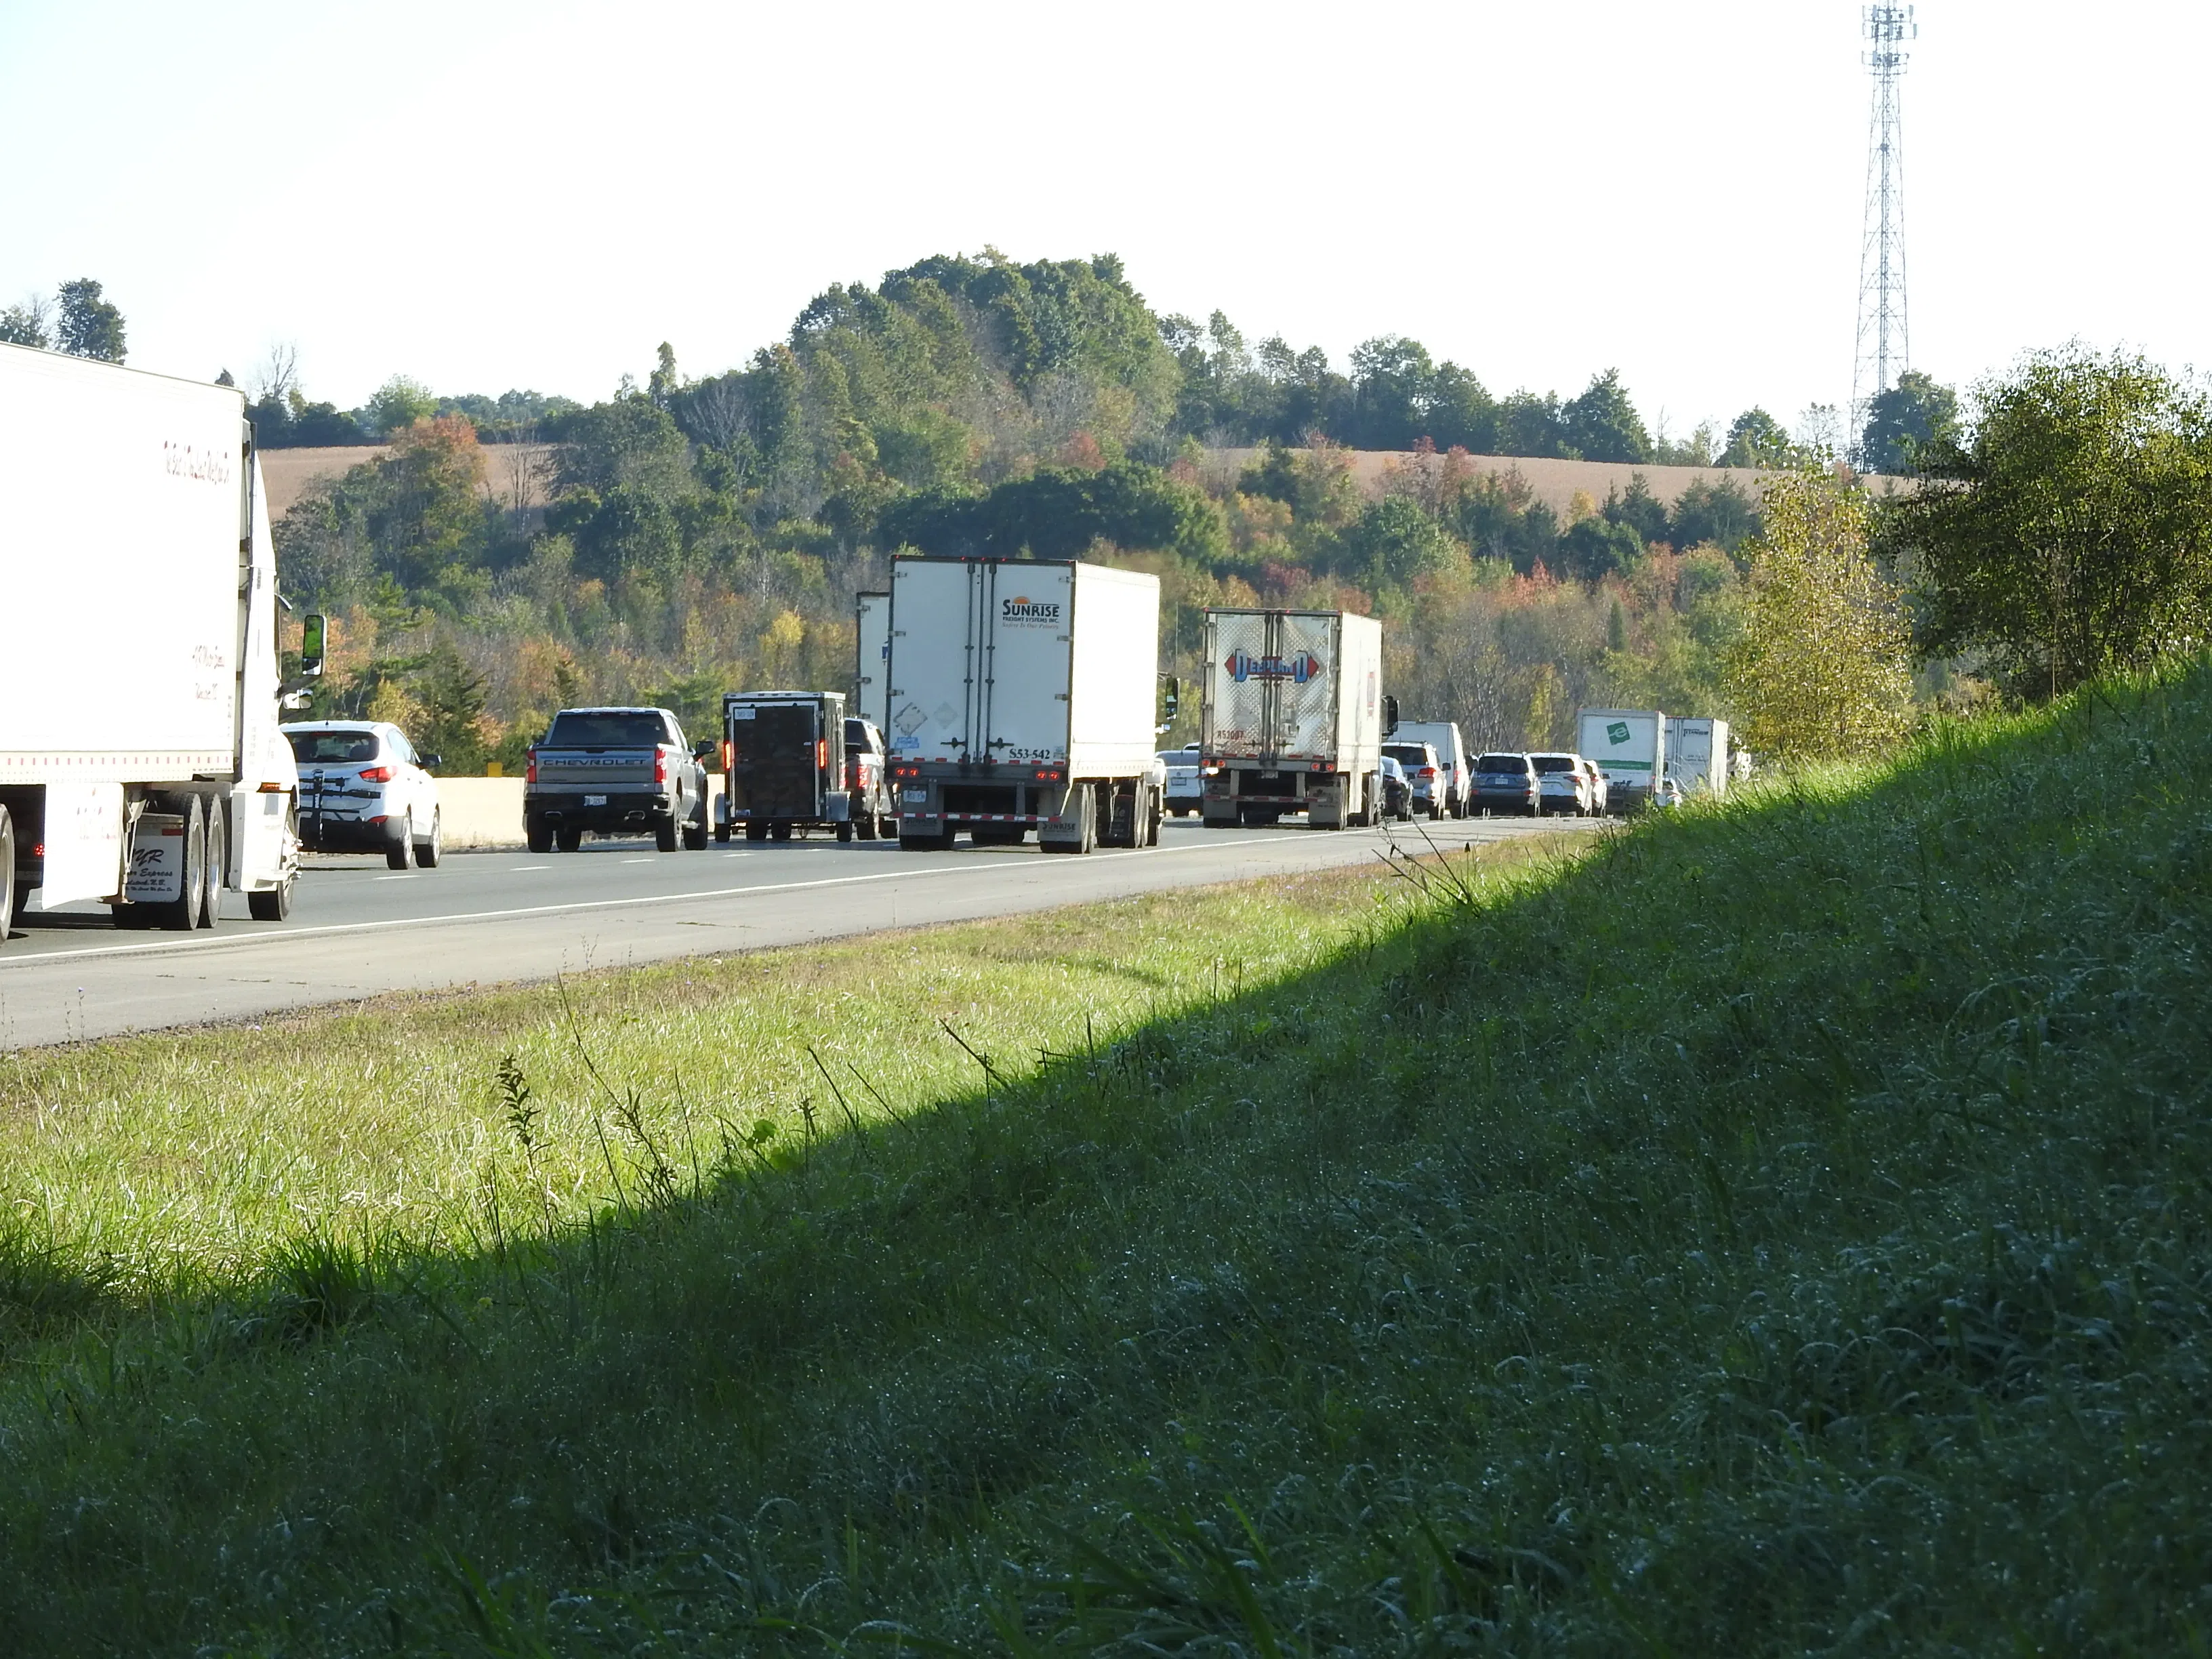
<point>530,775</point>
<point>659,767</point>
<point>729,754</point>
<point>821,753</point>
<point>376,774</point>
<point>1426,772</point>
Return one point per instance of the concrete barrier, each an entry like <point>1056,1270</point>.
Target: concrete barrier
<point>487,812</point>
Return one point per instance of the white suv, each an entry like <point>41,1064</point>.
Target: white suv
<point>363,789</point>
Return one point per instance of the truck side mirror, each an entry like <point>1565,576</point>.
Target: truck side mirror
<point>314,636</point>
<point>701,751</point>
<point>1389,715</point>
<point>1170,699</point>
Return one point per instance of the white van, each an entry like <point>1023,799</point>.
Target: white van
<point>1453,760</point>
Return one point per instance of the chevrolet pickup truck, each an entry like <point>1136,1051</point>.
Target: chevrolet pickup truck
<point>614,772</point>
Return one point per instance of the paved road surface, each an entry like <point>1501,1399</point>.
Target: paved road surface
<point>358,929</point>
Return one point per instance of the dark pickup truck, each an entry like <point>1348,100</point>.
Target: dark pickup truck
<point>614,772</point>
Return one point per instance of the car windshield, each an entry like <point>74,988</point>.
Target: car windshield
<point>1408,754</point>
<point>1553,762</point>
<point>1503,763</point>
<point>606,728</point>
<point>332,748</point>
<point>856,735</point>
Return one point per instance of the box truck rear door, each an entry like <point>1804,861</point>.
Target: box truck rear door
<point>1030,608</point>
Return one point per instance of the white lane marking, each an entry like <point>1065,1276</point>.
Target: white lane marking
<point>409,876</point>
<point>630,861</point>
<point>517,869</point>
<point>993,867</point>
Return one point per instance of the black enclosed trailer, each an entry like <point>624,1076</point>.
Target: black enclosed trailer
<point>783,765</point>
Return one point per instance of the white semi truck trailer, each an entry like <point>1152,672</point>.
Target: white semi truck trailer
<point>1024,694</point>
<point>1294,718</point>
<point>140,765</point>
<point>1630,747</point>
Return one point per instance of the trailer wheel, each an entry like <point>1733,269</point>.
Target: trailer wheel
<point>780,830</point>
<point>722,834</point>
<point>756,829</point>
<point>218,865</point>
<point>182,913</point>
<point>6,873</point>
<point>844,832</point>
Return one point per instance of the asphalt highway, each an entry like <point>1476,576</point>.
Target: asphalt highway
<point>358,929</point>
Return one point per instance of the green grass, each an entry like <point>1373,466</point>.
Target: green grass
<point>1782,1229</point>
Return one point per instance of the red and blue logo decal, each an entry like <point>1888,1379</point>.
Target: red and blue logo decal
<point>1299,668</point>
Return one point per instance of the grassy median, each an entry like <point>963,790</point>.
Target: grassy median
<point>1779,1228</point>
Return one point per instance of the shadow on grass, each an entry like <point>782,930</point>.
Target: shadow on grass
<point>1780,1227</point>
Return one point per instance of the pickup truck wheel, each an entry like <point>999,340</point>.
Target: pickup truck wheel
<point>538,833</point>
<point>399,852</point>
<point>218,864</point>
<point>569,838</point>
<point>664,833</point>
<point>864,826</point>
<point>844,832</point>
<point>428,853</point>
<point>694,835</point>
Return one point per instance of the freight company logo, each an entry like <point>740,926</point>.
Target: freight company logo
<point>1026,611</point>
<point>201,465</point>
<point>1617,733</point>
<point>1297,668</point>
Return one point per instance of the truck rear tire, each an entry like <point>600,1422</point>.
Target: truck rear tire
<point>218,865</point>
<point>538,835</point>
<point>6,873</point>
<point>665,833</point>
<point>844,832</point>
<point>181,915</point>
<point>694,831</point>
<point>569,838</point>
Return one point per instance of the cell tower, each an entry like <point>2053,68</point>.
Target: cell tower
<point>1883,340</point>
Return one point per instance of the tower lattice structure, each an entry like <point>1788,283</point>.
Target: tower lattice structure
<point>1884,338</point>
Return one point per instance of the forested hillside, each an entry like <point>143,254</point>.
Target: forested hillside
<point>688,536</point>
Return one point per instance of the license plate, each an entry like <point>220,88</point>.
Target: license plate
<point>595,800</point>
<point>916,795</point>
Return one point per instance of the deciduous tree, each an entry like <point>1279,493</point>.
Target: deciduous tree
<point>1821,670</point>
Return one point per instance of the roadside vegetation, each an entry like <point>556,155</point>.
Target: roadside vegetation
<point>1777,1229</point>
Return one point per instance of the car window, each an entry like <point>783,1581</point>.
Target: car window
<point>1553,762</point>
<point>332,748</point>
<point>1502,764</point>
<point>401,748</point>
<point>606,728</point>
<point>1408,754</point>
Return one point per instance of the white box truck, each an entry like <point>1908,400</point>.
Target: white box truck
<point>1024,694</point>
<point>1630,747</point>
<point>140,765</point>
<point>872,659</point>
<point>1294,718</point>
<point>1697,754</point>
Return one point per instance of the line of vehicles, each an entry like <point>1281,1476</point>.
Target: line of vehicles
<point>153,772</point>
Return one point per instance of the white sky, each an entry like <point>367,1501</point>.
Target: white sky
<point>484,195</point>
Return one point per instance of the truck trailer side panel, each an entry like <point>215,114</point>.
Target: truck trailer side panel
<point>1113,672</point>
<point>872,659</point>
<point>125,502</point>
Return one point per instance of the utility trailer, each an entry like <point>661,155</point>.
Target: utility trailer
<point>140,765</point>
<point>783,766</point>
<point>1629,746</point>
<point>1294,718</point>
<point>1024,694</point>
<point>872,659</point>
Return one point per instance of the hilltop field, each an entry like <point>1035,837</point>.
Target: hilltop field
<point>1776,1228</point>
